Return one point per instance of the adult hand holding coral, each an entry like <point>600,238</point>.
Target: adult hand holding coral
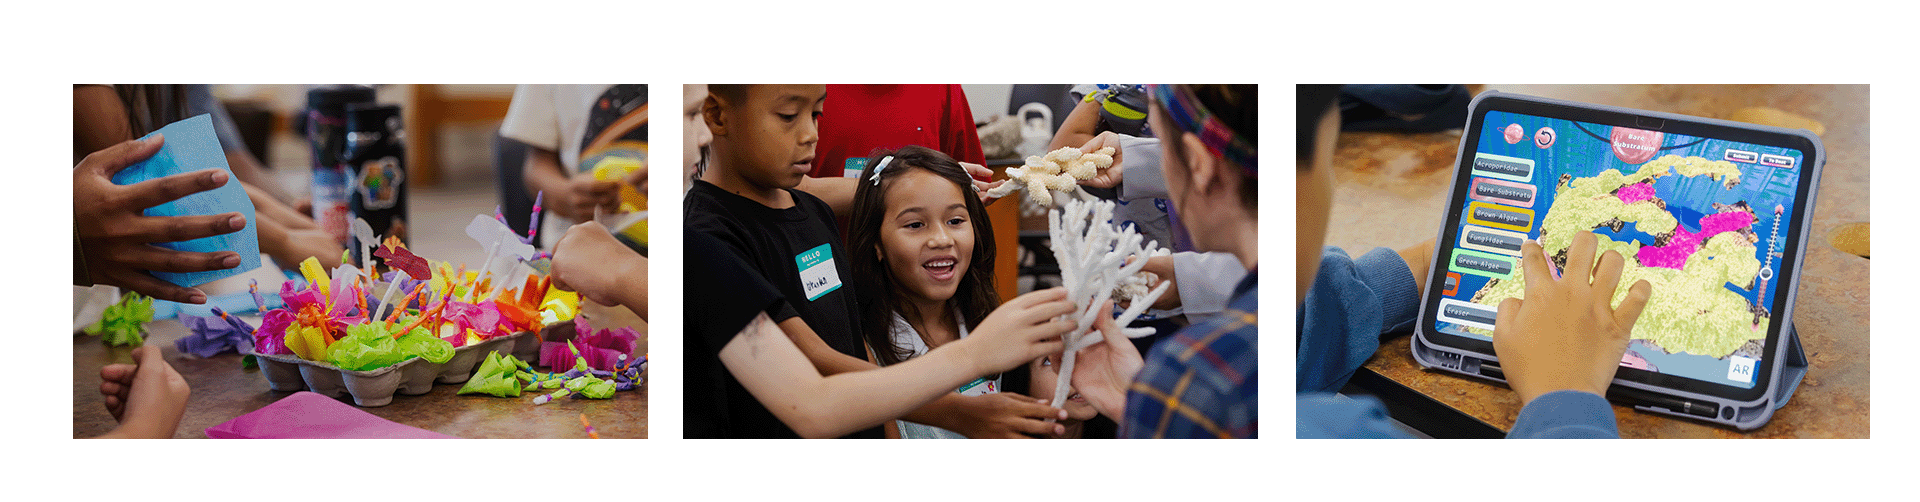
<point>114,234</point>
<point>147,397</point>
<point>591,261</point>
<point>1162,267</point>
<point>1566,334</point>
<point>1020,330</point>
<point>1110,176</point>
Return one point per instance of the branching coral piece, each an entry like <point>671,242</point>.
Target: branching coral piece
<point>1096,257</point>
<point>1058,171</point>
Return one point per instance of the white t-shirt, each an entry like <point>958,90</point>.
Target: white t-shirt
<point>552,117</point>
<point>563,119</point>
<point>904,335</point>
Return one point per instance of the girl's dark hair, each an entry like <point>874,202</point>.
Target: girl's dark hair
<point>975,297</point>
<point>1237,106</point>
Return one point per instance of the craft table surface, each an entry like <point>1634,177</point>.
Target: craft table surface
<point>222,391</point>
<point>1391,191</point>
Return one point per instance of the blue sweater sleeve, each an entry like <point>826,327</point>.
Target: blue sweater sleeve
<point>1326,416</point>
<point>1351,303</point>
<point>1566,414</point>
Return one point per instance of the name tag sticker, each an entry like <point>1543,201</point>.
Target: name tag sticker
<point>855,167</point>
<point>817,273</point>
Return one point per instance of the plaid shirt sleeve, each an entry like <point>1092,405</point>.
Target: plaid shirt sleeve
<point>1201,383</point>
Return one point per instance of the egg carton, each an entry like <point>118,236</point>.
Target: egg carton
<point>376,387</point>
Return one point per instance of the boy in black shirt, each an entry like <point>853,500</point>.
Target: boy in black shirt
<point>763,145</point>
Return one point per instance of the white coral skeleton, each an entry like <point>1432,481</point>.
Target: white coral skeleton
<point>1096,258</point>
<point>1055,177</point>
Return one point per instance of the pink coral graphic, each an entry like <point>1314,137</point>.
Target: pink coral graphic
<point>1683,244</point>
<point>1635,193</point>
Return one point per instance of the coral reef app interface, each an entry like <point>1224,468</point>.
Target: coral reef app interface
<point>1699,218</point>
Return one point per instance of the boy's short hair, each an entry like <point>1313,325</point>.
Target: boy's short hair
<point>1311,102</point>
<point>732,93</point>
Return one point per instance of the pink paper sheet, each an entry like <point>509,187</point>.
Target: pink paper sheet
<point>306,415</point>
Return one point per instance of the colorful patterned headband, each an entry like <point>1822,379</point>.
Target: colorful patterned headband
<point>1186,112</point>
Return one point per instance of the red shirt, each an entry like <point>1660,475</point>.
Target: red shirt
<point>856,119</point>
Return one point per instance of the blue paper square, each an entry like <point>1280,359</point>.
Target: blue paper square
<point>192,146</point>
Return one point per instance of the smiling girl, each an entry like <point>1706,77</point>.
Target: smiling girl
<point>919,239</point>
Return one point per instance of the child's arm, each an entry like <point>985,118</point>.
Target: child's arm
<point>1352,302</point>
<point>288,236</point>
<point>774,370</point>
<point>1079,127</point>
<point>992,415</point>
<point>1419,258</point>
<point>591,261</point>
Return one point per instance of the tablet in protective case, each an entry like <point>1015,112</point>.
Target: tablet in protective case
<point>1713,213</point>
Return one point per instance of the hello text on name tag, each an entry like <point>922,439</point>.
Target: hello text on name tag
<point>817,273</point>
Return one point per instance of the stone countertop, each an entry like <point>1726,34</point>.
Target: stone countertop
<point>1391,191</point>
<point>222,391</point>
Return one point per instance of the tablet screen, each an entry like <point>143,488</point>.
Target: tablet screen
<point>1704,220</point>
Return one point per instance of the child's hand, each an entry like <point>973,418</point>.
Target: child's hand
<point>147,397</point>
<point>1020,330</point>
<point>1419,259</point>
<point>637,179</point>
<point>1109,176</point>
<point>114,235</point>
<point>1007,415</point>
<point>583,194</point>
<point>591,261</point>
<point>1103,372</point>
<point>979,172</point>
<point>1566,335</point>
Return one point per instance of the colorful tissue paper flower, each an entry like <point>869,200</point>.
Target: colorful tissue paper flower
<point>124,322</point>
<point>215,334</point>
<point>423,344</point>
<point>482,319</point>
<point>602,349</point>
<point>308,342</point>
<point>403,284</point>
<point>365,347</point>
<point>346,292</point>
<point>495,377</point>
<point>315,274</point>
<point>522,312</point>
<point>559,306</point>
<point>271,337</point>
<point>299,295</point>
<point>597,389</point>
<point>517,317</point>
